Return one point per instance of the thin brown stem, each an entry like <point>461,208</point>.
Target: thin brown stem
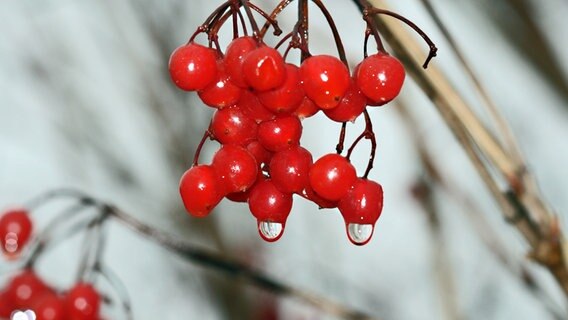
<point>269,19</point>
<point>252,21</point>
<point>279,8</point>
<point>341,143</point>
<point>369,134</point>
<point>206,135</point>
<point>303,27</point>
<point>334,30</point>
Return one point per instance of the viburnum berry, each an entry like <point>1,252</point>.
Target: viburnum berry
<point>319,201</point>
<point>244,195</point>
<point>260,154</point>
<point>350,107</point>
<point>221,93</point>
<point>193,66</point>
<point>331,176</point>
<point>236,167</point>
<point>201,190</point>
<point>232,126</point>
<point>280,133</point>
<point>50,307</point>
<point>6,306</point>
<point>361,208</point>
<point>15,231</point>
<point>289,169</point>
<point>287,97</point>
<point>25,288</point>
<point>83,302</point>
<point>380,77</point>
<point>264,68</point>
<point>271,208</point>
<point>250,105</point>
<point>237,50</point>
<point>325,80</point>
<point>306,109</point>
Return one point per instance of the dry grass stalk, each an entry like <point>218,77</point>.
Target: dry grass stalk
<point>521,202</point>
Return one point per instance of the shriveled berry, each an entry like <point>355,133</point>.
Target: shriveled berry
<point>15,231</point>
<point>221,93</point>
<point>331,176</point>
<point>232,126</point>
<point>237,50</point>
<point>201,190</point>
<point>287,97</point>
<point>264,68</point>
<point>280,133</point>
<point>83,302</point>
<point>380,77</point>
<point>236,167</point>
<point>325,80</point>
<point>289,169</point>
<point>193,66</point>
<point>350,107</point>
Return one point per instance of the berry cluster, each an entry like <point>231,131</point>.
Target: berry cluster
<point>27,291</point>
<point>260,102</point>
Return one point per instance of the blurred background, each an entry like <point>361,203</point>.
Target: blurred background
<point>86,102</point>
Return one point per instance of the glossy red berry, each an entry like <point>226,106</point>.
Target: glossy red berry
<point>243,196</point>
<point>232,126</point>
<point>306,109</point>
<point>250,105</point>
<point>237,50</point>
<point>271,208</point>
<point>193,66</point>
<point>201,190</point>
<point>83,302</point>
<point>25,289</point>
<point>380,78</point>
<point>287,97</point>
<point>6,306</point>
<point>332,176</point>
<point>319,201</point>
<point>280,133</point>
<point>264,68</point>
<point>15,231</point>
<point>236,167</point>
<point>350,107</point>
<point>325,80</point>
<point>260,154</point>
<point>289,169</point>
<point>50,307</point>
<point>221,93</point>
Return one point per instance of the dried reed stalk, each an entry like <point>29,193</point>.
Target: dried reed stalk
<point>520,201</point>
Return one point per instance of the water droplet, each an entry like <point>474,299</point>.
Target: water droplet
<point>270,231</point>
<point>360,234</point>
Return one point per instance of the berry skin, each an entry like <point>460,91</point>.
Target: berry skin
<point>15,231</point>
<point>319,201</point>
<point>237,50</point>
<point>6,306</point>
<point>350,107</point>
<point>380,78</point>
<point>82,302</point>
<point>260,154</point>
<point>306,109</point>
<point>264,68</point>
<point>50,307</point>
<point>269,204</point>
<point>232,126</point>
<point>325,80</point>
<point>236,167</point>
<point>193,67</point>
<point>363,203</point>
<point>280,133</point>
<point>287,97</point>
<point>332,176</point>
<point>289,169</point>
<point>201,190</point>
<point>25,289</point>
<point>221,93</point>
<point>250,105</point>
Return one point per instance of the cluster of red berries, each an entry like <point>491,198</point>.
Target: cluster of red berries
<point>27,291</point>
<point>260,101</point>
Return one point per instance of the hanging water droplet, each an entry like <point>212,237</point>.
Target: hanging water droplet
<point>270,231</point>
<point>360,234</point>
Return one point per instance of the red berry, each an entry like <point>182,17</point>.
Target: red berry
<point>361,208</point>
<point>319,201</point>
<point>25,289</point>
<point>232,126</point>
<point>221,93</point>
<point>287,97</point>
<point>261,155</point>
<point>193,66</point>
<point>350,107</point>
<point>380,78</point>
<point>234,56</point>
<point>280,133</point>
<point>15,231</point>
<point>50,307</point>
<point>332,176</point>
<point>271,208</point>
<point>325,80</point>
<point>306,109</point>
<point>201,190</point>
<point>289,169</point>
<point>83,302</point>
<point>253,108</point>
<point>236,167</point>
<point>264,68</point>
<point>244,195</point>
<point>6,306</point>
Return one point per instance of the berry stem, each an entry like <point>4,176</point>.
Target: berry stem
<point>369,134</point>
<point>206,135</point>
<point>334,30</point>
<point>303,29</point>
<point>269,19</point>
<point>279,8</point>
<point>252,21</point>
<point>341,143</point>
<point>206,26</point>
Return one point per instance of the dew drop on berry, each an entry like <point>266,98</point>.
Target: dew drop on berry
<point>270,231</point>
<point>360,234</point>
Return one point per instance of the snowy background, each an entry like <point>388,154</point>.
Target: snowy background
<point>86,101</point>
